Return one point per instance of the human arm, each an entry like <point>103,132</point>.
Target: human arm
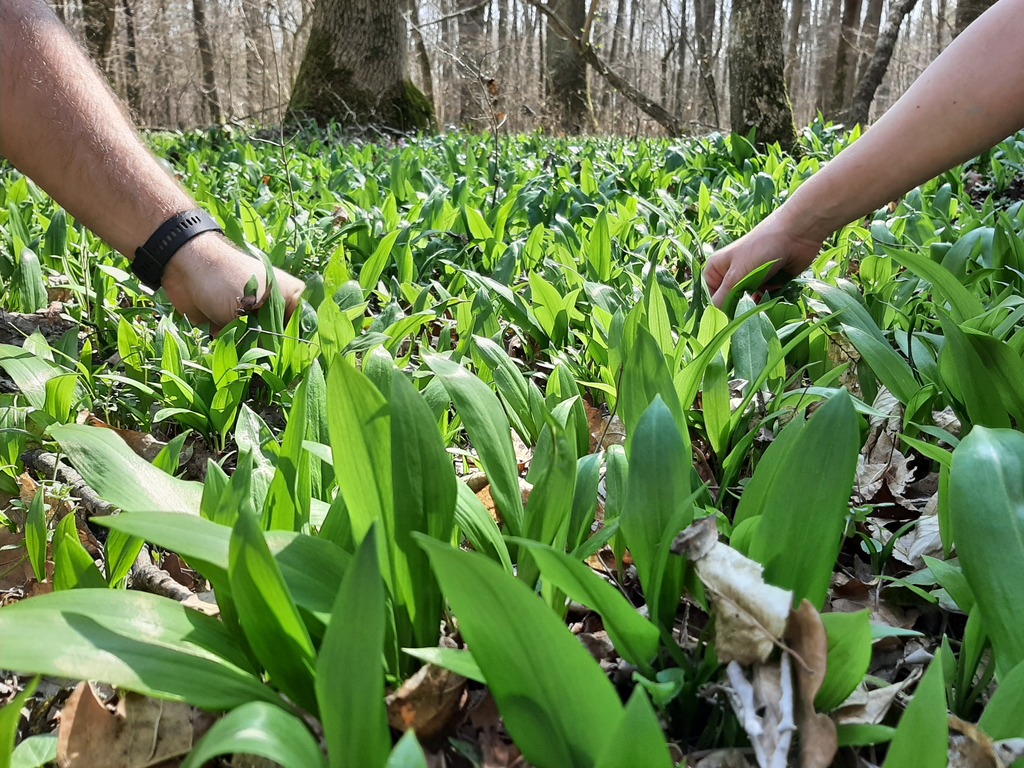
<point>968,99</point>
<point>61,126</point>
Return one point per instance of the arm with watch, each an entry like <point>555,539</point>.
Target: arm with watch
<point>62,126</point>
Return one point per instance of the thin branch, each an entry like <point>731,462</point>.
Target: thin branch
<point>673,124</point>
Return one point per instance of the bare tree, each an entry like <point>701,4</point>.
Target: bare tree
<point>100,17</point>
<point>844,54</point>
<point>967,11</point>
<point>865,93</point>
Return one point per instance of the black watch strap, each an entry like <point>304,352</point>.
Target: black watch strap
<point>151,258</point>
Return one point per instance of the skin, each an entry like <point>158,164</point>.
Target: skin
<point>62,126</point>
<point>970,98</point>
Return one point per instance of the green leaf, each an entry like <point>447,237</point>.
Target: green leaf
<point>27,283</point>
<point>987,509</point>
<point>425,489</point>
<point>658,505</point>
<point>35,752</point>
<point>349,671</point>
<point>133,640</point>
<point>120,551</point>
<point>73,568</point>
<point>830,442</point>
<point>29,372</point>
<point>1002,716</point>
<point>360,430</point>
<point>120,476</point>
<point>10,719</point>
<point>262,730</point>
<point>963,304</point>
<point>479,528</point>
<point>891,369</point>
<point>35,535</point>
<point>849,654</point>
<point>268,614</point>
<point>634,637</point>
<point>544,682</point>
<point>637,740</point>
<point>863,735</point>
<point>452,659</point>
<point>407,753</point>
<point>489,430</point>
<point>922,736</point>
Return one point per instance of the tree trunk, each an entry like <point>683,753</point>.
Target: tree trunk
<point>100,17</point>
<point>868,37</point>
<point>967,11</point>
<point>353,69</point>
<point>828,47</point>
<point>757,82</point>
<point>131,59</point>
<point>861,108</point>
<point>210,97</point>
<point>844,52</point>
<point>420,51</point>
<point>474,103</point>
<point>614,53</point>
<point>792,41</point>
<point>566,69</point>
<point>256,58</point>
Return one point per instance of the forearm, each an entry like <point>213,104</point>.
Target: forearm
<point>970,98</point>
<point>61,125</point>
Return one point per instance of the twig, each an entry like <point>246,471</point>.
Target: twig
<point>146,576</point>
<point>49,466</point>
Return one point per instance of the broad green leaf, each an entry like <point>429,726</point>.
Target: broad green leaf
<point>638,739</point>
<point>452,659</point>
<point>359,426</point>
<point>29,372</point>
<point>658,505</point>
<point>122,477</point>
<point>963,304</point>
<point>73,568</point>
<point>10,719</point>
<point>922,736</point>
<point>35,535</point>
<point>634,637</point>
<point>259,729</point>
<point>987,509</point>
<point>891,369</point>
<point>350,672</point>
<point>133,640</point>
<point>544,682</point>
<point>425,495</point>
<point>120,551</point>
<point>34,752</point>
<point>849,654</point>
<point>863,735</point>
<point>1002,716</point>
<point>645,375</point>
<point>489,430</point>
<point>407,753</point>
<point>512,385</point>
<point>793,500</point>
<point>965,377</point>
<point>479,528</point>
<point>268,614</point>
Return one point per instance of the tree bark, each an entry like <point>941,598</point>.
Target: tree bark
<point>868,37</point>
<point>757,82</point>
<point>861,108</point>
<point>100,17</point>
<point>704,20</point>
<point>473,97</point>
<point>967,11</point>
<point>793,41</point>
<point>566,69</point>
<point>210,97</point>
<point>256,90</point>
<point>353,70</point>
<point>844,52</point>
<point>131,59</point>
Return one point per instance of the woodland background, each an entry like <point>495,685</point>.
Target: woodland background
<point>482,63</point>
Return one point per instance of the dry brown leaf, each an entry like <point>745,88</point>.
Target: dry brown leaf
<point>805,635</point>
<point>865,707</point>
<point>750,615</point>
<point>723,758</point>
<point>141,732</point>
<point>606,429</point>
<point>427,702</point>
<point>484,494</point>
<point>142,443</point>
<point>969,747</point>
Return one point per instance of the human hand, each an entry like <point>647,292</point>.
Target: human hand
<point>769,241</point>
<point>206,280</point>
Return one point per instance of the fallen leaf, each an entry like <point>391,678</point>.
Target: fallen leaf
<point>427,702</point>
<point>484,494</point>
<point>750,615</point>
<point>141,732</point>
<point>805,635</point>
<point>606,429</point>
<point>969,747</point>
<point>723,758</point>
<point>142,443</point>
